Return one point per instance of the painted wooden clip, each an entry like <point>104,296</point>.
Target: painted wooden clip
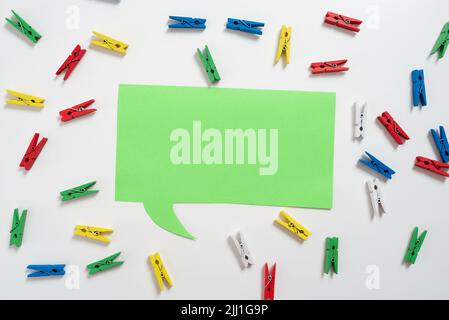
<point>414,246</point>
<point>245,26</point>
<point>293,226</point>
<point>360,120</point>
<point>71,62</point>
<point>95,233</point>
<point>46,270</point>
<point>442,42</point>
<point>17,228</point>
<point>78,192</point>
<point>331,255</point>
<point>377,200</point>
<point>432,165</point>
<point>33,151</point>
<point>77,111</point>
<point>24,27</point>
<point>187,23</point>
<point>441,143</point>
<point>419,88</point>
<point>109,43</point>
<point>342,21</point>
<point>24,99</point>
<point>209,65</point>
<point>377,165</point>
<point>284,44</point>
<point>269,281</point>
<point>328,66</point>
<point>393,128</point>
<point>104,264</point>
<point>242,248</point>
<point>159,271</point>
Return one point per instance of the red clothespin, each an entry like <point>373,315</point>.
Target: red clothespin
<point>77,111</point>
<point>432,165</point>
<point>269,278</point>
<point>71,61</point>
<point>343,21</point>
<point>328,66</point>
<point>32,152</point>
<point>393,128</point>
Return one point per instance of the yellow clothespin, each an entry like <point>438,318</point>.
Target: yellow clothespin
<point>293,226</point>
<point>93,232</point>
<point>25,99</point>
<point>284,44</point>
<point>110,43</point>
<point>159,271</point>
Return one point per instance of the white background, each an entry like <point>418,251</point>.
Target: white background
<point>396,37</point>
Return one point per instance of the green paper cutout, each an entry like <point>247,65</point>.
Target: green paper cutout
<point>148,116</point>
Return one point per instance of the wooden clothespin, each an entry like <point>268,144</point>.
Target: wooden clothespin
<point>159,271</point>
<point>78,192</point>
<point>209,65</point>
<point>441,143</point>
<point>393,128</point>
<point>245,26</point>
<point>17,228</point>
<point>77,111</point>
<point>377,201</point>
<point>414,246</point>
<point>331,255</point>
<point>187,23</point>
<point>328,66</point>
<point>432,165</point>
<point>442,42</point>
<point>360,120</point>
<point>242,248</point>
<point>419,88</point>
<point>95,233</point>
<point>71,61</point>
<point>25,99</point>
<point>24,28</point>
<point>110,43</point>
<point>33,151</point>
<point>104,264</point>
<point>269,281</point>
<point>342,21</point>
<point>46,270</point>
<point>377,165</point>
<point>284,44</point>
<point>293,226</point>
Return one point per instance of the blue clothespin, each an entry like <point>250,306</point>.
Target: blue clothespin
<point>186,22</point>
<point>419,88</point>
<point>441,143</point>
<point>46,270</point>
<point>245,25</point>
<point>378,166</point>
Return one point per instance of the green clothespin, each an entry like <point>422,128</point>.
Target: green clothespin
<point>77,192</point>
<point>18,225</point>
<point>24,27</point>
<point>442,42</point>
<point>209,65</point>
<point>414,246</point>
<point>331,254</point>
<point>104,264</point>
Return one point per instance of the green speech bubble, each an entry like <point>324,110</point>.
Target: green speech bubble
<point>213,145</point>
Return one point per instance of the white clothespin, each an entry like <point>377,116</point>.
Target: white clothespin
<point>376,196</point>
<point>360,120</point>
<point>242,249</point>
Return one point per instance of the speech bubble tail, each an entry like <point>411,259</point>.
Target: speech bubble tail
<point>166,218</point>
